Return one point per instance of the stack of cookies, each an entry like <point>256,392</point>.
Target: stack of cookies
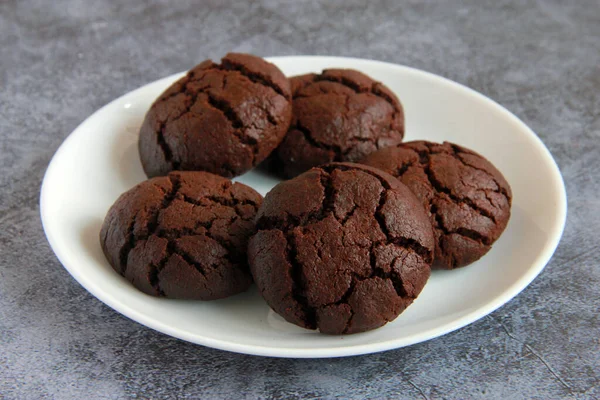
<point>345,244</point>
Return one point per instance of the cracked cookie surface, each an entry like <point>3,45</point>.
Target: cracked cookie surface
<point>344,248</point>
<point>183,235</point>
<point>467,198</point>
<point>339,115</point>
<point>221,118</point>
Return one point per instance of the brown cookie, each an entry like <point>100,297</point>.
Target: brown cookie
<point>339,115</point>
<point>221,118</point>
<point>467,197</point>
<point>183,235</point>
<point>344,248</point>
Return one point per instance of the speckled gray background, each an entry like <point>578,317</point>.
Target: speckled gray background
<point>61,60</point>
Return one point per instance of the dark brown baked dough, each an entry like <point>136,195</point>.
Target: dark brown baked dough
<point>339,115</point>
<point>467,197</point>
<point>344,248</point>
<point>221,118</point>
<point>183,235</point>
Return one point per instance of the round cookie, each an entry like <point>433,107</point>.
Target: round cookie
<point>182,236</point>
<point>344,248</point>
<point>339,115</point>
<point>467,197</point>
<point>221,118</point>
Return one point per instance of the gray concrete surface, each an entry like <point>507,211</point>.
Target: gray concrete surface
<point>61,60</point>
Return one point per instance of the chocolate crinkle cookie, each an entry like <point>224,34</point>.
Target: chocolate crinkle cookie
<point>467,197</point>
<point>339,115</point>
<point>182,236</point>
<point>221,118</point>
<point>344,248</point>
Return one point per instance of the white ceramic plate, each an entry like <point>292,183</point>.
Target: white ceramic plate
<point>99,161</point>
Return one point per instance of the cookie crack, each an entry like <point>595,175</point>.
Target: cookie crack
<point>175,186</point>
<point>399,241</point>
<point>355,140</point>
<point>190,260</point>
<point>162,143</point>
<point>472,234</point>
<point>129,244</point>
<point>425,161</point>
<point>167,200</point>
<point>465,232</point>
<point>376,272</point>
<point>345,300</point>
<point>328,168</point>
<point>231,202</point>
<point>182,90</point>
<point>155,270</point>
<point>227,202</point>
<point>393,275</point>
<point>401,170</point>
<point>193,98</point>
<point>328,204</point>
<point>342,81</point>
<point>164,146</point>
<point>298,287</point>
<point>176,233</point>
<point>414,246</point>
<point>223,106</point>
<point>289,222</point>
<point>398,284</point>
<point>379,216</point>
<point>151,226</point>
<point>501,189</point>
<point>437,185</point>
<point>376,90</point>
<point>233,255</point>
<point>315,143</point>
<point>349,215</point>
<point>187,258</point>
<point>189,77</point>
<point>396,281</point>
<point>255,77</point>
<point>373,89</point>
<point>340,154</point>
<point>268,113</point>
<point>402,241</point>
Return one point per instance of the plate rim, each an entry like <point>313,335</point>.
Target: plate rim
<point>530,274</point>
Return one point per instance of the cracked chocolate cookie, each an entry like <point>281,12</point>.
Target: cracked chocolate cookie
<point>339,115</point>
<point>182,236</point>
<point>221,118</point>
<point>467,198</point>
<point>344,248</point>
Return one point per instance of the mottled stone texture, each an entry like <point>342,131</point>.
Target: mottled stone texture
<point>61,60</point>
